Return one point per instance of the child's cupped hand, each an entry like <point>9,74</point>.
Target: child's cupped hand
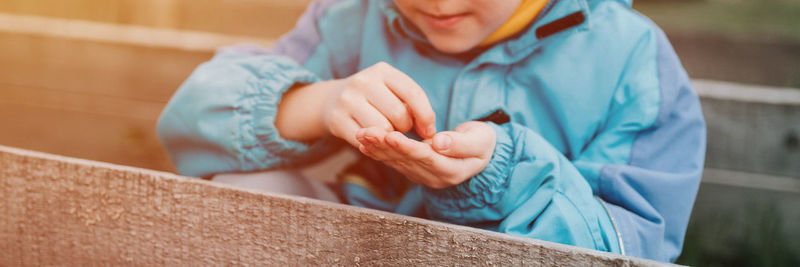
<point>448,159</point>
<point>381,97</point>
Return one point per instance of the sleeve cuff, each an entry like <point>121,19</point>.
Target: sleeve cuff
<point>485,188</point>
<point>258,107</point>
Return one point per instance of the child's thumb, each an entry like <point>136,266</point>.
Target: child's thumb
<point>456,144</point>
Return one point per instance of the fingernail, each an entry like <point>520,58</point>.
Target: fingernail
<point>441,142</point>
<point>431,130</point>
<point>371,139</point>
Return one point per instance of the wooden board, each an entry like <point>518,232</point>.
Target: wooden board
<point>94,90</point>
<point>96,68</point>
<point>62,211</point>
<point>88,99</point>
<point>257,18</point>
<point>753,129</point>
<point>107,137</point>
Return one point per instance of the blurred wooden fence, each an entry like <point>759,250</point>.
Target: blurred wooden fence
<point>257,18</point>
<point>88,78</point>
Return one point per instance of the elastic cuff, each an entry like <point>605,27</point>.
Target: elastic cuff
<point>259,105</point>
<point>485,188</point>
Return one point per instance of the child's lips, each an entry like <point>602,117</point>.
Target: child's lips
<point>444,21</point>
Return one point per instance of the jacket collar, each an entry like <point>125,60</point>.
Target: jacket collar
<point>506,52</point>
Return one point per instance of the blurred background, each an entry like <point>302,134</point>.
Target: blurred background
<point>88,79</point>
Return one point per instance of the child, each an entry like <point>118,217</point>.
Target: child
<point>570,121</point>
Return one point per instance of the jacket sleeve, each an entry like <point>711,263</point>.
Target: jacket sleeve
<point>221,119</point>
<point>651,193</point>
<point>645,162</point>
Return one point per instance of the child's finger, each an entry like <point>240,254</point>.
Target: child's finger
<point>368,116</point>
<point>407,147</point>
<point>361,136</point>
<point>408,91</point>
<point>366,151</point>
<point>345,128</point>
<point>373,140</point>
<point>392,108</point>
<point>470,143</point>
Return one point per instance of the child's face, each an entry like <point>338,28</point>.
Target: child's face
<point>455,26</point>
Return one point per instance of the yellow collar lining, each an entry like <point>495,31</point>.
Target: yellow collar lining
<point>524,15</point>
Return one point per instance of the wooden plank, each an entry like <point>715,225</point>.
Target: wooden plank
<point>128,71</point>
<point>59,100</point>
<point>256,18</point>
<point>132,62</point>
<point>752,129</point>
<point>59,210</point>
<point>80,133</point>
<point>87,98</point>
<point>739,92</point>
<point>753,59</point>
<point>752,180</point>
<point>739,215</point>
<point>94,90</point>
<point>122,34</point>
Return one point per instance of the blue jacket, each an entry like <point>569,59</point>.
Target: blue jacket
<point>605,131</point>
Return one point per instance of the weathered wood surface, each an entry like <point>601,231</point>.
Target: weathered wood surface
<point>62,211</point>
<point>87,99</point>
<point>753,129</point>
<point>132,35</point>
<point>94,90</point>
<point>255,18</point>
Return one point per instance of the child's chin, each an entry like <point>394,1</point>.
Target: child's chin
<point>453,47</point>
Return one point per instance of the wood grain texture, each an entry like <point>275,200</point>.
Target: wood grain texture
<point>88,99</point>
<point>62,211</point>
<point>122,34</point>
<point>256,18</point>
<point>94,90</point>
<point>95,68</point>
<point>752,129</point>
<point>109,138</point>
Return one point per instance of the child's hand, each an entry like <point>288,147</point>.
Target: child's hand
<point>379,96</point>
<point>448,159</point>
